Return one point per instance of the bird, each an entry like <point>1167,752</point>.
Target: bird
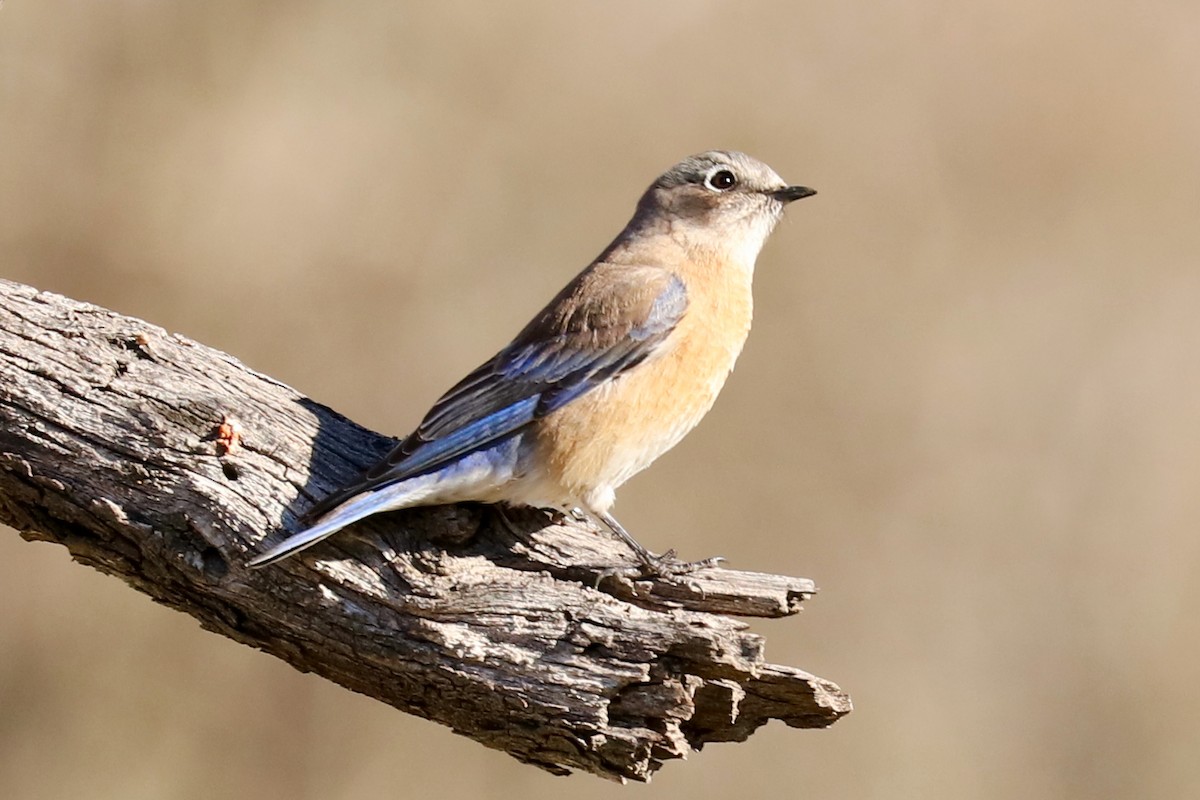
<point>611,374</point>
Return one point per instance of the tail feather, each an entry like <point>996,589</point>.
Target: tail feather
<point>351,510</point>
<point>470,478</point>
<point>295,544</point>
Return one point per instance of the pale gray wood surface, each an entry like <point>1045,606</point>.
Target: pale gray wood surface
<point>491,623</point>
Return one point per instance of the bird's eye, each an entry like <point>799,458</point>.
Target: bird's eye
<point>721,180</point>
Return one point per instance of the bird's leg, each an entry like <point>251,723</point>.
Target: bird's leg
<point>664,566</point>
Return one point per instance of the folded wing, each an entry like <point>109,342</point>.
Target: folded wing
<point>606,321</point>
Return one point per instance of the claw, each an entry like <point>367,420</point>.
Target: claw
<point>667,566</point>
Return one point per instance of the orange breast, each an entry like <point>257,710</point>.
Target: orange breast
<point>603,438</point>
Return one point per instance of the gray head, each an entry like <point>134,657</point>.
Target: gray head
<point>720,199</point>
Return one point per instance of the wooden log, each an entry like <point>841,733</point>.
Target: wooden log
<point>168,464</point>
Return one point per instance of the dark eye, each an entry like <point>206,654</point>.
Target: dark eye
<point>722,180</point>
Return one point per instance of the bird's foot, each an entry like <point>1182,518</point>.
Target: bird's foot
<point>665,567</point>
<point>669,566</point>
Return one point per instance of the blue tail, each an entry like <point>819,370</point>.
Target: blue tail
<point>354,509</point>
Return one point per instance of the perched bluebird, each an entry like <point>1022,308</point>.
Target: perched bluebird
<point>606,378</point>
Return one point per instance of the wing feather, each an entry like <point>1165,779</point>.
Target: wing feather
<point>606,321</point>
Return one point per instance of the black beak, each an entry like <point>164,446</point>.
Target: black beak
<point>789,193</point>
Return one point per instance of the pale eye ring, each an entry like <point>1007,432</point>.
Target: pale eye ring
<point>720,180</point>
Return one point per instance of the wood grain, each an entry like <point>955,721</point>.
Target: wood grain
<point>167,464</point>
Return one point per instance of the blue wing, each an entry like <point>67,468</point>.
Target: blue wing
<point>606,321</point>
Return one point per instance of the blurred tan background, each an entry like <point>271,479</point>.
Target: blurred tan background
<point>968,408</point>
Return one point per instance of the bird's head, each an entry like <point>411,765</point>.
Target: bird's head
<point>722,201</point>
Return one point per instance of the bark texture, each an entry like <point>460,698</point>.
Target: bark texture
<point>167,464</point>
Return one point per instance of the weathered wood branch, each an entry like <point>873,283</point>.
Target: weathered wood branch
<point>167,464</point>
